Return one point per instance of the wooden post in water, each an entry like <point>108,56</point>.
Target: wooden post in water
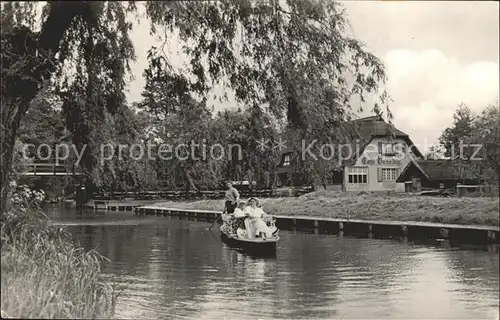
<point>445,233</point>
<point>446,244</point>
<point>492,236</point>
<point>404,231</point>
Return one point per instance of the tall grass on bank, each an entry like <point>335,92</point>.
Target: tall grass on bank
<point>44,275</point>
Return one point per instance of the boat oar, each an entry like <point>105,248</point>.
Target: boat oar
<point>217,219</point>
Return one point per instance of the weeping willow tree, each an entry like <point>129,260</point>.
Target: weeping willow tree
<point>295,57</point>
<point>80,50</point>
<point>292,60</point>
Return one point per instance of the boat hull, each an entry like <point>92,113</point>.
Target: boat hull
<point>255,247</point>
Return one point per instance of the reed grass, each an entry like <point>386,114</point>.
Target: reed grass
<point>45,275</point>
<point>373,206</point>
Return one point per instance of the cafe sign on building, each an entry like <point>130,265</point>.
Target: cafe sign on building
<point>381,161</point>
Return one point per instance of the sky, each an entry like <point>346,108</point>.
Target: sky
<point>437,55</point>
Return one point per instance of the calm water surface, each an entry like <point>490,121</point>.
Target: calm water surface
<point>177,269</point>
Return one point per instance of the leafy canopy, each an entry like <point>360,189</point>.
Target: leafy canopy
<point>294,56</point>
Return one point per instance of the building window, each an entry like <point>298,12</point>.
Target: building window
<point>286,160</point>
<point>388,149</point>
<point>358,175</point>
<point>391,149</point>
<point>388,174</point>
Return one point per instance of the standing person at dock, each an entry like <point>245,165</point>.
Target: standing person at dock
<point>232,198</point>
<point>81,196</point>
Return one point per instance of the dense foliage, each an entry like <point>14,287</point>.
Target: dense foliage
<point>288,62</point>
<point>461,130</point>
<point>487,133</point>
<point>80,52</point>
<point>473,141</point>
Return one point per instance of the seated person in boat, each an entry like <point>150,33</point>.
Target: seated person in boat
<point>239,211</point>
<point>255,224</point>
<point>236,219</point>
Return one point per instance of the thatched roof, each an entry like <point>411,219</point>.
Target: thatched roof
<point>439,170</point>
<point>362,131</point>
<point>373,127</point>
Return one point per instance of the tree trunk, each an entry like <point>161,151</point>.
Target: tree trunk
<point>58,21</point>
<point>250,178</point>
<point>5,168</point>
<point>10,115</point>
<point>190,181</point>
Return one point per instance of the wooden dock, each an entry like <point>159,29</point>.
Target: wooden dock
<point>116,205</point>
<point>467,234</point>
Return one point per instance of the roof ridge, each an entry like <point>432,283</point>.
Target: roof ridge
<point>376,117</point>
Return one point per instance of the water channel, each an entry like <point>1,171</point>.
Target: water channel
<point>176,269</point>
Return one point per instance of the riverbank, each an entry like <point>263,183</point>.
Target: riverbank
<point>45,275</point>
<point>377,207</point>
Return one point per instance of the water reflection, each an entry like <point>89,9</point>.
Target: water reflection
<point>172,268</point>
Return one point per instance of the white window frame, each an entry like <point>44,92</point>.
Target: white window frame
<point>389,174</point>
<point>358,174</point>
<point>388,148</point>
<point>392,148</point>
<point>287,160</point>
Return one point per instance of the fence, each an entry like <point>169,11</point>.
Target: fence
<point>476,190</point>
<point>50,169</point>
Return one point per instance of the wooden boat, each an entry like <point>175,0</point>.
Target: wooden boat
<point>261,246</point>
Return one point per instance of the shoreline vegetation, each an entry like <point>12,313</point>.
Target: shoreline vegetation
<point>372,206</point>
<point>44,274</point>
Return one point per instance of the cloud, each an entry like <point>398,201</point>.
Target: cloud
<point>437,55</point>
<point>467,30</point>
<point>427,86</point>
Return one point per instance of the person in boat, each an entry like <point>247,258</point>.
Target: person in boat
<point>239,217</point>
<point>255,224</point>
<point>239,211</point>
<point>235,220</point>
<point>232,198</point>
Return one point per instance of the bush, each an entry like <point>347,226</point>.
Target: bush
<point>44,275</point>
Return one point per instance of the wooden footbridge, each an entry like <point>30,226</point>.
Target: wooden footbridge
<point>50,169</point>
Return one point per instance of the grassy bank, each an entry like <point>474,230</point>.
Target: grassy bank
<point>402,207</point>
<point>44,275</point>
